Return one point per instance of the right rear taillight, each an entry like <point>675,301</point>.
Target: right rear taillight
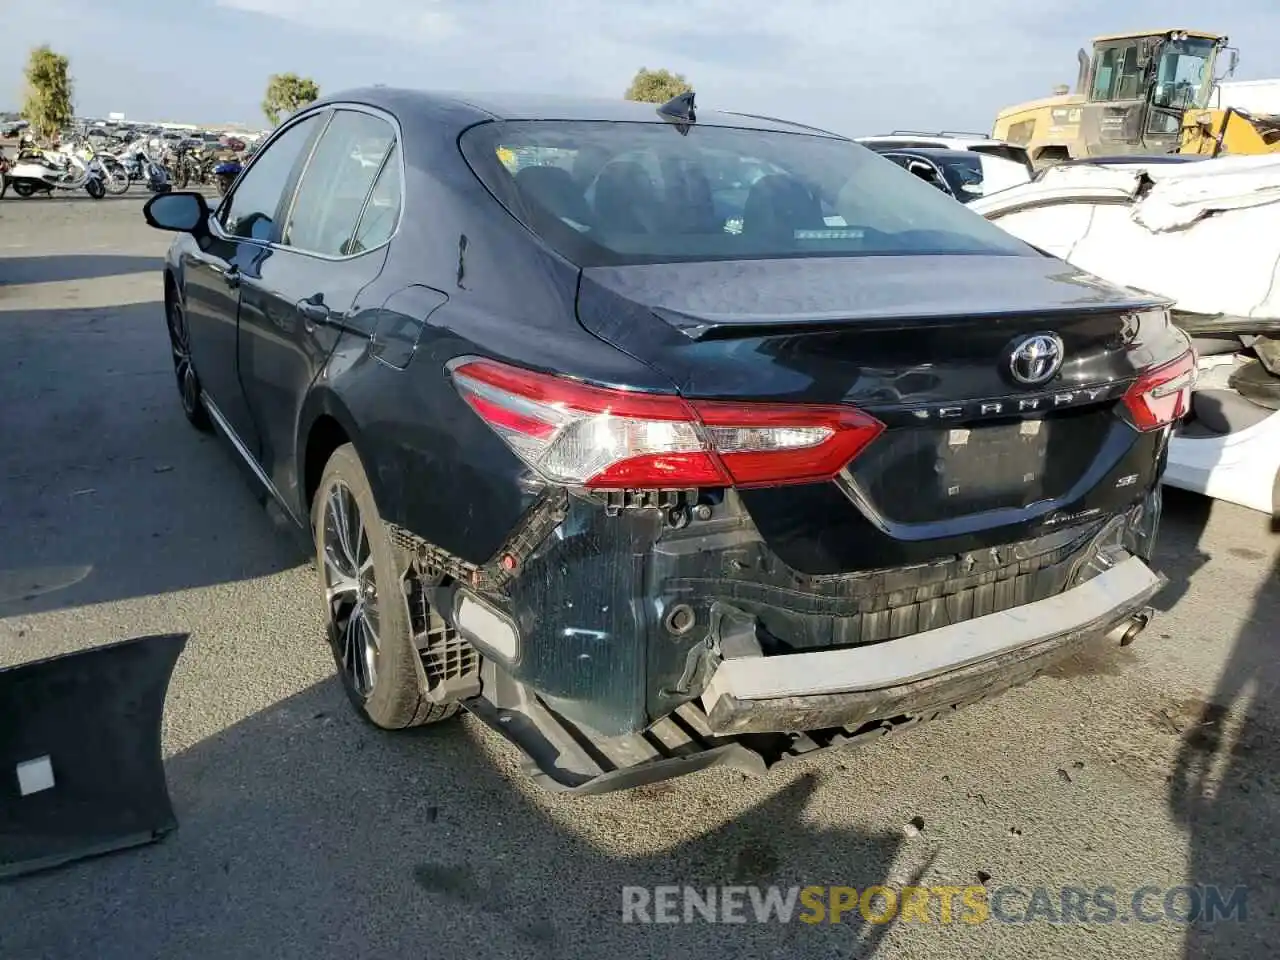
<point>574,433</point>
<point>1162,395</point>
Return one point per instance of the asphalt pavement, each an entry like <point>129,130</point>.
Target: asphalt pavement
<point>305,833</point>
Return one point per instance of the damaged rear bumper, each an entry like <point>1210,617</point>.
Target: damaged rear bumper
<point>757,713</point>
<point>928,671</point>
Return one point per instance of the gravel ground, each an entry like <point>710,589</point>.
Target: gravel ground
<point>305,833</point>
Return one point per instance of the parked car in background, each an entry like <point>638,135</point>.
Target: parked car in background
<point>664,438</point>
<point>962,174</point>
<point>951,140</point>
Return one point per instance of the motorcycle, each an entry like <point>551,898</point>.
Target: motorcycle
<point>140,168</point>
<point>44,171</point>
<point>225,174</point>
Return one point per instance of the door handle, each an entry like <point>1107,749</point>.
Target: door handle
<point>313,310</point>
<point>231,276</point>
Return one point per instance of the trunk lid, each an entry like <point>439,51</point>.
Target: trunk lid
<point>924,344</point>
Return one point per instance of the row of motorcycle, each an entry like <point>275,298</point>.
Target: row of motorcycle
<point>78,164</point>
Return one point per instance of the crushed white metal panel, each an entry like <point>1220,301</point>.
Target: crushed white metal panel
<point>1202,234</point>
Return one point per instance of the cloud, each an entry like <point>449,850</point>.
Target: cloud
<point>856,66</point>
<point>853,65</point>
<point>420,21</point>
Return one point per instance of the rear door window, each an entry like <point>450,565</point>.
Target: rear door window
<point>382,211</point>
<point>337,182</point>
<point>250,211</point>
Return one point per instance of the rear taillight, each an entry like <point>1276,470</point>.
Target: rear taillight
<point>1162,395</point>
<point>573,433</point>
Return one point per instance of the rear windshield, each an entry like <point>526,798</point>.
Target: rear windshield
<point>606,193</point>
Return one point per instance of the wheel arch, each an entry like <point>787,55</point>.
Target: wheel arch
<point>325,425</point>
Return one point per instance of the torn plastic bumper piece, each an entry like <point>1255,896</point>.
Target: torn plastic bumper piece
<point>758,712</point>
<point>81,770</point>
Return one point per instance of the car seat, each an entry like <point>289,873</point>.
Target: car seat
<point>779,205</point>
<point>555,190</point>
<point>625,198</point>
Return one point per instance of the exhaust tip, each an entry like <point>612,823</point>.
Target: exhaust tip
<point>1128,630</point>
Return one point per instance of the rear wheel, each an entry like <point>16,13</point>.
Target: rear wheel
<point>22,188</point>
<point>367,617</point>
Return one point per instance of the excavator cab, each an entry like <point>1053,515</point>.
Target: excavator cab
<point>1138,87</point>
<point>1132,92</point>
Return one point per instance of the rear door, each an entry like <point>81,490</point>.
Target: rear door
<point>240,234</point>
<point>333,243</point>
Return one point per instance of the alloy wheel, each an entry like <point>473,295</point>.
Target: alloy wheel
<point>188,385</point>
<point>351,589</point>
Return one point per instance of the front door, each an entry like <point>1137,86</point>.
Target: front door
<point>1112,121</point>
<point>240,233</point>
<point>305,295</point>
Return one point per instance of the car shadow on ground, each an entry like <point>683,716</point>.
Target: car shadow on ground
<point>108,493</point>
<point>1225,785</point>
<point>1178,554</point>
<point>15,271</point>
<point>331,839</point>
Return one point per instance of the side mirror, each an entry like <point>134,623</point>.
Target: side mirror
<point>1232,62</point>
<point>184,212</point>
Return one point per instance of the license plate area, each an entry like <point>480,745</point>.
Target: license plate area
<point>991,460</point>
<point>925,474</point>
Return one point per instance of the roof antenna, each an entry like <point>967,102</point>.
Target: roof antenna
<point>680,111</point>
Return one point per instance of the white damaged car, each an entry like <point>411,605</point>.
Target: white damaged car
<point>1207,236</point>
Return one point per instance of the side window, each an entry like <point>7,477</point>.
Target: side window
<point>252,208</point>
<point>1118,75</point>
<point>337,181</point>
<point>382,212</point>
<point>1104,73</point>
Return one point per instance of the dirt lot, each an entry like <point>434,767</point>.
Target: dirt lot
<point>305,833</point>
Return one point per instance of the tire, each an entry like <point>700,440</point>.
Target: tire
<point>117,180</point>
<point>22,188</point>
<point>95,189</point>
<point>183,370</point>
<point>382,681</point>
<point>182,176</point>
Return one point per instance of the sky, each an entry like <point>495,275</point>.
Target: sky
<point>854,66</point>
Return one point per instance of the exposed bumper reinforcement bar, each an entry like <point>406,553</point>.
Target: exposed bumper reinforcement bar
<point>839,687</point>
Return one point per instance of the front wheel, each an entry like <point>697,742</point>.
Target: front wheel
<point>188,383</point>
<point>117,180</point>
<point>366,614</point>
<point>22,188</point>
<point>95,189</point>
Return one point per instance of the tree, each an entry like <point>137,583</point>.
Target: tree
<point>47,106</point>
<point>286,93</point>
<point>656,86</point>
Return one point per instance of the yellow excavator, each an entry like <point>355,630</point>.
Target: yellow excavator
<point>1141,93</point>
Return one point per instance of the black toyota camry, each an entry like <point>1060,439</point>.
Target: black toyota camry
<point>657,437</point>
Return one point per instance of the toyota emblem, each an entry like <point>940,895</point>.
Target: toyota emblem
<point>1036,359</point>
